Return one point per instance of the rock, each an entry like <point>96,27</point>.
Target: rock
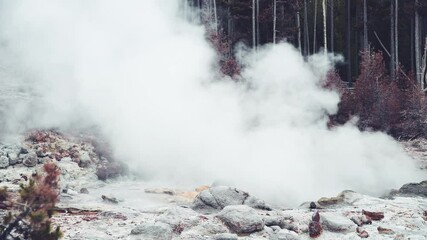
<point>414,189</point>
<point>375,216</point>
<point>4,162</point>
<point>153,231</point>
<point>40,153</point>
<point>85,159</point>
<point>275,218</point>
<point>337,223</point>
<point>23,150</point>
<point>166,191</point>
<point>226,196</point>
<point>216,198</point>
<point>362,233</point>
<point>180,218</point>
<point>225,236</point>
<point>313,205</point>
<point>285,235</point>
<point>30,160</point>
<point>241,219</point>
<point>357,220</point>
<point>110,199</point>
<point>257,203</point>
<point>387,231</point>
<point>110,170</point>
<point>13,158</point>
<point>84,191</point>
<point>314,227</point>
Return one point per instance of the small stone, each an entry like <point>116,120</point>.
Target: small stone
<point>110,199</point>
<point>375,216</point>
<point>84,191</point>
<point>313,205</point>
<point>23,150</point>
<point>225,236</point>
<point>4,162</point>
<point>362,233</point>
<point>30,160</point>
<point>387,231</point>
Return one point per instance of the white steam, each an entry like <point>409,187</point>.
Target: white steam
<point>147,78</point>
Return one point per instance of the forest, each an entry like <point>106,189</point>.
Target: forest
<point>384,44</point>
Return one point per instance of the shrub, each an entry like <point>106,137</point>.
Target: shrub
<point>32,217</point>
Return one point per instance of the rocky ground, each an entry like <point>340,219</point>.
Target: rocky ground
<point>100,201</point>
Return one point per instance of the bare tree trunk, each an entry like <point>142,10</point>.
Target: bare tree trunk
<point>348,40</point>
<point>306,35</point>
<point>412,46</point>
<point>417,43</point>
<point>325,34</point>
<point>299,32</point>
<point>274,20</point>
<point>314,26</point>
<point>365,25</point>
<point>257,23</point>
<point>215,16</point>
<point>331,38</point>
<point>424,67</point>
<point>396,34</point>
<point>253,25</point>
<point>392,43</point>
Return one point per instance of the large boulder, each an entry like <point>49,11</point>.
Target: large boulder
<point>217,198</point>
<point>153,231</point>
<point>241,219</point>
<point>110,170</point>
<point>414,189</point>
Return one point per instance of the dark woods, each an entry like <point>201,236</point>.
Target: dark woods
<point>383,77</point>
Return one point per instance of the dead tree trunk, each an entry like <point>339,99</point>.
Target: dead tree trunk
<point>325,34</point>
<point>392,43</point>
<point>417,43</point>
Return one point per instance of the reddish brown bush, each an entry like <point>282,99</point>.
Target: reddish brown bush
<point>397,107</point>
<point>34,208</point>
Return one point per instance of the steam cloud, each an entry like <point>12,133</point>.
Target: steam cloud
<point>147,78</point>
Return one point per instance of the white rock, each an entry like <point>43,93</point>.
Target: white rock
<point>4,162</point>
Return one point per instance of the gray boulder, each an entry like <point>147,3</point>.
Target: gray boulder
<point>225,236</point>
<point>241,219</point>
<point>13,158</point>
<point>179,218</point>
<point>153,231</point>
<point>4,162</point>
<point>414,189</point>
<point>216,198</point>
<point>85,159</point>
<point>337,223</point>
<point>30,160</point>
